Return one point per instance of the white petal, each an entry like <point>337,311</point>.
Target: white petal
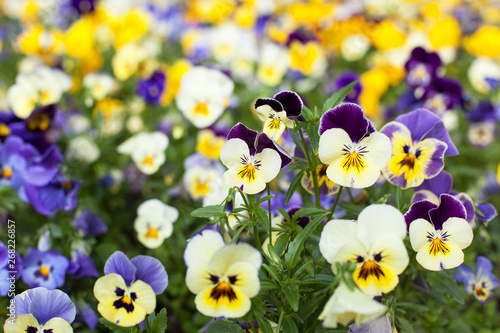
<point>247,275</point>
<point>439,262</point>
<point>419,230</point>
<point>393,251</point>
<point>331,143</point>
<point>270,162</point>
<point>231,179</point>
<point>232,151</point>
<point>379,149</point>
<point>203,246</point>
<point>264,112</point>
<point>232,253</point>
<point>459,232</point>
<point>198,277</point>
<point>376,221</point>
<point>336,234</point>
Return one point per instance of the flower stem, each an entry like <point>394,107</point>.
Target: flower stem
<point>311,161</point>
<point>282,314</point>
<point>270,219</point>
<point>337,197</point>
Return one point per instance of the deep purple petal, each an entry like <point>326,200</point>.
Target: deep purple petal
<point>488,210</point>
<point>240,131</point>
<point>119,263</point>
<point>419,210</point>
<point>274,104</point>
<point>350,118</point>
<point>438,185</point>
<point>448,207</point>
<point>49,304</point>
<point>468,205</point>
<point>151,271</point>
<point>291,101</point>
<point>264,142</point>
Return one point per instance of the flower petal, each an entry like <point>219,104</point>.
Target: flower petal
<point>211,304</point>
<point>151,271</point>
<point>120,264</point>
<point>291,101</point>
<point>232,253</point>
<point>202,247</point>
<point>459,232</point>
<point>377,221</point>
<point>232,151</point>
<point>350,118</point>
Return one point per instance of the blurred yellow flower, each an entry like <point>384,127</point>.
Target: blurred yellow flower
<point>307,58</point>
<point>311,12</point>
<point>386,35</point>
<point>211,11</point>
<point>445,33</point>
<point>484,42</point>
<point>174,76</point>
<point>40,41</point>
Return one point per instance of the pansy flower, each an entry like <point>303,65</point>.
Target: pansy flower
<point>422,67</point>
<point>374,243</point>
<point>481,283</point>
<point>201,103</point>
<point>44,268</point>
<point>438,233</point>
<point>223,277</point>
<point>431,189</point>
<point>151,89</point>
<point>252,159</point>
<point>126,294</point>
<point>419,143</point>
<point>147,150</point>
<point>344,79</point>
<point>276,112</point>
<point>43,311</point>
<point>154,222</point>
<point>199,173</point>
<point>347,305</point>
<point>442,94</point>
<point>354,152</point>
<point>90,224</point>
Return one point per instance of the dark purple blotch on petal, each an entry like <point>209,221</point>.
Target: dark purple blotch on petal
<point>468,205</point>
<point>419,210</point>
<point>240,131</point>
<point>448,207</point>
<point>350,118</point>
<point>274,104</point>
<point>291,101</point>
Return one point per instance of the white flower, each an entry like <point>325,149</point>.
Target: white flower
<point>274,62</point>
<point>83,149</point>
<point>100,85</point>
<point>154,222</point>
<point>484,74</point>
<point>147,150</point>
<point>345,306</point>
<point>203,95</point>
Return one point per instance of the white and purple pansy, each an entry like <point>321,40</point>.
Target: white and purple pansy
<point>431,189</point>
<point>438,233</point>
<point>419,143</point>
<point>252,159</point>
<point>442,94</point>
<point>481,283</point>
<point>351,148</point>
<point>422,67</point>
<point>40,310</point>
<point>276,112</point>
<point>126,294</point>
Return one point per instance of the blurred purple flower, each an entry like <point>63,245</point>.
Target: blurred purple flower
<point>44,269</point>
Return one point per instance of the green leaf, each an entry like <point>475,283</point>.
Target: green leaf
<point>293,186</point>
<point>224,326</point>
<point>209,211</point>
<point>313,135</point>
<point>295,248</point>
<point>307,113</point>
<point>413,306</point>
<point>271,272</point>
<point>289,325</point>
<point>338,96</point>
<point>406,326</point>
<point>265,198</point>
<point>281,244</point>
<point>262,217</point>
<point>266,284</point>
<point>310,211</point>
<point>443,283</point>
<point>159,324</point>
<point>292,294</point>
<point>351,208</point>
<point>264,324</point>
<point>114,327</point>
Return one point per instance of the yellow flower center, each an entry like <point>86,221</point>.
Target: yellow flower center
<point>370,268</point>
<point>269,72</point>
<point>274,124</point>
<point>438,246</point>
<point>223,290</point>
<point>4,130</point>
<point>44,271</point>
<point>6,172</point>
<point>353,160</point>
<point>201,189</point>
<point>152,233</point>
<point>201,108</point>
<point>149,160</point>
<point>44,96</point>
<point>248,172</point>
<point>127,299</point>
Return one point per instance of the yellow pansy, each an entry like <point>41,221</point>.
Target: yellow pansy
<point>307,58</point>
<point>484,42</point>
<point>311,12</point>
<point>445,33</point>
<point>386,35</point>
<point>174,76</point>
<point>209,144</point>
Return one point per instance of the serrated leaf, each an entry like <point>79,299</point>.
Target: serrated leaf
<point>160,322</point>
<point>224,326</point>
<point>209,211</point>
<point>264,324</point>
<point>293,186</point>
<point>289,325</point>
<point>265,198</point>
<point>351,208</point>
<point>292,295</point>
<point>262,217</point>
<point>295,248</point>
<point>338,96</point>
